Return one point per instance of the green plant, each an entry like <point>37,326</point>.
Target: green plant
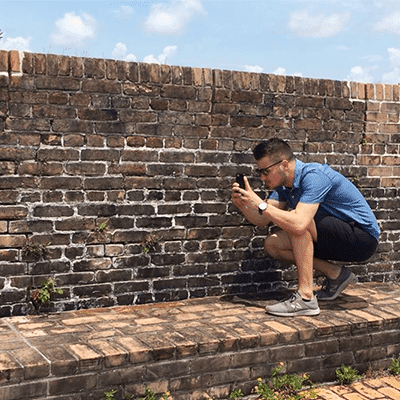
<point>290,386</point>
<point>346,375</point>
<point>150,242</point>
<point>355,180</point>
<point>36,250</point>
<point>236,394</point>
<point>285,386</point>
<point>47,290</point>
<point>150,395</point>
<point>364,141</point>
<point>395,367</point>
<point>264,391</point>
<point>109,395</point>
<point>103,226</point>
<point>42,296</point>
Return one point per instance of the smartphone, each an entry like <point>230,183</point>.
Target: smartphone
<point>240,180</point>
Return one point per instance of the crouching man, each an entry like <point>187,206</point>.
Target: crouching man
<point>322,217</point>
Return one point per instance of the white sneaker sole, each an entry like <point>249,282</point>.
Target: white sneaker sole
<point>310,312</point>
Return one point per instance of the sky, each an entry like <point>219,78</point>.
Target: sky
<point>355,40</point>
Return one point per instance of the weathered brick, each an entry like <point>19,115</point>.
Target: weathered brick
<point>35,365</point>
<point>24,390</point>
<point>51,211</point>
<point>101,86</point>
<point>10,241</point>
<point>72,384</point>
<point>182,92</point>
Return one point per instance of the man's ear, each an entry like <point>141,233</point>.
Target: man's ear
<point>284,165</point>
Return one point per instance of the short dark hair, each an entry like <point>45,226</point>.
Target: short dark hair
<point>273,147</point>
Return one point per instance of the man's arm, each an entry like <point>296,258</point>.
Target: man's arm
<point>296,221</point>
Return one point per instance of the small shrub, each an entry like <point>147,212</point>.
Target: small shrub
<point>285,386</point>
<point>395,367</point>
<point>346,375</point>
<point>109,395</point>
<point>42,297</point>
<point>264,391</point>
<point>236,394</point>
<point>150,395</point>
<point>290,386</point>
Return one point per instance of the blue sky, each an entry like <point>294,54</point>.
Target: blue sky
<point>356,40</point>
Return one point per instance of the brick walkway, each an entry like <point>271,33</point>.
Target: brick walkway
<point>380,388</point>
<point>383,388</point>
<point>200,347</point>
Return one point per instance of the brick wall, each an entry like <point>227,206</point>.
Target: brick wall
<point>100,159</point>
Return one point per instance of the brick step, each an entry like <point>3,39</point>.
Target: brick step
<point>193,348</point>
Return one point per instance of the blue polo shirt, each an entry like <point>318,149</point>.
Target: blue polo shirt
<point>336,195</point>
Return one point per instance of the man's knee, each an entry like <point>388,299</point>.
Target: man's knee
<point>271,245</point>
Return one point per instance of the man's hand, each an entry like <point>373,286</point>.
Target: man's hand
<point>244,199</point>
<point>247,202</point>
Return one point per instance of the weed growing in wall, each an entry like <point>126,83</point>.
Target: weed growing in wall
<point>41,297</point>
<point>149,395</point>
<point>346,375</point>
<point>285,386</point>
<point>150,242</point>
<point>395,367</point>
<point>37,250</point>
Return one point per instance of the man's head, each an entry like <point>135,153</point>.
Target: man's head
<point>275,162</point>
<point>274,149</point>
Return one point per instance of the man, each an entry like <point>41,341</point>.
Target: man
<point>321,215</point>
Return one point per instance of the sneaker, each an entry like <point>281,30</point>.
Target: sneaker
<point>331,288</point>
<point>294,306</point>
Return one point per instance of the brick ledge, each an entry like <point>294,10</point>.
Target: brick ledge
<point>193,347</point>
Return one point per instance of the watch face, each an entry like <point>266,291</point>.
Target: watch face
<point>262,206</point>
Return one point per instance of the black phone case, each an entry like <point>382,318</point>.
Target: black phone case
<point>240,180</point>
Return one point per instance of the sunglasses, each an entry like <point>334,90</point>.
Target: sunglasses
<point>266,171</point>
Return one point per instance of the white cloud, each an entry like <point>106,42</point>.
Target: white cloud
<point>119,53</point>
<point>280,71</point>
<point>74,30</point>
<point>253,68</point>
<point>172,18</point>
<point>124,12</point>
<point>389,24</point>
<point>168,51</point>
<point>342,48</point>
<point>392,76</point>
<point>373,58</point>
<point>17,43</point>
<point>311,25</point>
<point>360,74</point>
<point>394,56</point>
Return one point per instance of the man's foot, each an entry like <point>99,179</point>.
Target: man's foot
<point>294,306</point>
<point>332,288</point>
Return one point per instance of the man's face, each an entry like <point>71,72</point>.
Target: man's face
<point>271,173</point>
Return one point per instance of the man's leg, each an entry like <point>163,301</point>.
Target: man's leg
<point>299,250</point>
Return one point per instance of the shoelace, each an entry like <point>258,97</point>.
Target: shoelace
<point>326,285</point>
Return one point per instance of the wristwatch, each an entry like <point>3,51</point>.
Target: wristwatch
<point>262,207</point>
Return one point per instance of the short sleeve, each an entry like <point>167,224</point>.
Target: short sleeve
<point>315,186</point>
